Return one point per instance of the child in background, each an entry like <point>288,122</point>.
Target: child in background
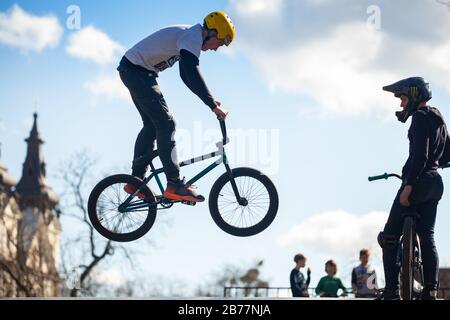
<point>330,284</point>
<point>299,285</point>
<point>364,277</point>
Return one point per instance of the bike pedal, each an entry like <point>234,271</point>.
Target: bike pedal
<point>189,203</point>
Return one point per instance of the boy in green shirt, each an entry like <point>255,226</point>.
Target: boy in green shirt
<point>330,284</point>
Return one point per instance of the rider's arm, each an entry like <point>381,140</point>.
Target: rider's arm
<point>419,151</point>
<point>406,168</point>
<point>446,154</point>
<point>191,76</point>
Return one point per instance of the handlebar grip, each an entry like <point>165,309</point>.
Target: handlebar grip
<point>446,166</point>
<point>223,127</point>
<point>381,177</point>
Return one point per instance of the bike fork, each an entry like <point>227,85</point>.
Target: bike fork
<point>242,201</point>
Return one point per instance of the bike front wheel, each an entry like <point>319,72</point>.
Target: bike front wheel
<point>258,212</point>
<point>121,224</point>
<point>407,272</point>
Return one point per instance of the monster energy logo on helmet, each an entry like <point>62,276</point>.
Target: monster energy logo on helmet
<point>417,89</point>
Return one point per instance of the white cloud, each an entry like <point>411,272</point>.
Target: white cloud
<point>440,57</point>
<point>108,87</point>
<point>327,51</point>
<point>92,44</point>
<point>29,32</point>
<point>336,233</point>
<point>335,70</point>
<point>257,6</point>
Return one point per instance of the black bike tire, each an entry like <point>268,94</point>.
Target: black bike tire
<point>260,226</point>
<point>418,271</point>
<point>407,276</point>
<point>121,237</point>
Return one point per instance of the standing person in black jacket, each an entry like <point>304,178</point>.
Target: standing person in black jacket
<point>299,285</point>
<point>422,186</point>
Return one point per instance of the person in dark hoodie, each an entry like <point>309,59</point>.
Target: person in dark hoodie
<point>422,185</point>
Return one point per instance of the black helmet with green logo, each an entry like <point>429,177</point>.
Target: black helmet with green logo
<point>417,89</point>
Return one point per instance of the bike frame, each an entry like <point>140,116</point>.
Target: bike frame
<point>130,205</point>
<point>219,153</point>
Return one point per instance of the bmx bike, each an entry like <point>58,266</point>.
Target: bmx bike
<point>242,202</point>
<point>409,255</point>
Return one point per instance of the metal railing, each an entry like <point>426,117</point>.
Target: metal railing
<point>285,292</point>
<point>268,292</point>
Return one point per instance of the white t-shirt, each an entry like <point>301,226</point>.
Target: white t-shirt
<point>161,50</point>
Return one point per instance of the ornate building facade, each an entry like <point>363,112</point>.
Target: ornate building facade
<point>29,228</point>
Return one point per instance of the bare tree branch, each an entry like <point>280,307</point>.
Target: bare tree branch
<point>4,266</point>
<point>75,175</point>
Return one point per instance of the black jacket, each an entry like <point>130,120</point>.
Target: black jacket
<point>429,144</point>
<point>299,285</point>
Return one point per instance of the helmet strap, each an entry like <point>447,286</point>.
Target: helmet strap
<point>403,116</point>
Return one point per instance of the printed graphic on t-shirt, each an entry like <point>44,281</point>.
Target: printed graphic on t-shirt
<point>166,64</point>
<point>365,279</point>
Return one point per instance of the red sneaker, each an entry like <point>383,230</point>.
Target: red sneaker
<point>130,189</point>
<point>182,191</point>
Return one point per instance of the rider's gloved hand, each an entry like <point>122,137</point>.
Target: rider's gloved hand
<point>219,112</point>
<point>404,196</point>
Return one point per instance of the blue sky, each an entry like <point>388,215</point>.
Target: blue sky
<point>312,82</point>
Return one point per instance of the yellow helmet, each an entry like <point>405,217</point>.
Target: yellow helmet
<point>222,23</point>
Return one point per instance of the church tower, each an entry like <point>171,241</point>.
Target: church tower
<point>29,228</point>
<point>32,187</point>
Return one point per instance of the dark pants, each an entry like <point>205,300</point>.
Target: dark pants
<point>157,119</point>
<point>424,200</point>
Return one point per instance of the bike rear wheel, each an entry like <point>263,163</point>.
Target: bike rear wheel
<point>407,273</point>
<point>261,207</point>
<point>109,221</point>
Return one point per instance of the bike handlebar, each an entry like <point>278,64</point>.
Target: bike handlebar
<point>223,127</point>
<point>387,176</point>
<point>446,166</point>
